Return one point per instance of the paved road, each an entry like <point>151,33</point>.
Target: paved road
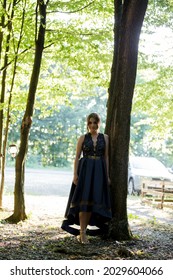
<point>56,184</point>
<point>41,181</point>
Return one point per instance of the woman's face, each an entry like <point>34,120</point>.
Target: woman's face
<point>92,125</point>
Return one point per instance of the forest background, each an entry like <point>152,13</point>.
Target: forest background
<point>75,77</point>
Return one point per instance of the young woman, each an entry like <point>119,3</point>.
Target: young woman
<point>89,200</point>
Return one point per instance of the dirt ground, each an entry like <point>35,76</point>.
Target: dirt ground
<point>41,238</point>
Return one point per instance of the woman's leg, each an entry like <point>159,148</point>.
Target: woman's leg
<point>84,218</point>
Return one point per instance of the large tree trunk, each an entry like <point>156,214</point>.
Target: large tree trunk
<point>129,19</point>
<point>19,202</point>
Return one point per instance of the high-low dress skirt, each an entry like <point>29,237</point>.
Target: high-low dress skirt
<point>91,194</point>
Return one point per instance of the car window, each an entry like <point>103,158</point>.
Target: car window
<point>147,163</point>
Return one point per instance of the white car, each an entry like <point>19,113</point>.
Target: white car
<point>145,168</point>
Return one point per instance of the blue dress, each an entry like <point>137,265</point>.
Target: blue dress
<point>91,194</point>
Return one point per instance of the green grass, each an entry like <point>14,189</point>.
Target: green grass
<point>133,217</point>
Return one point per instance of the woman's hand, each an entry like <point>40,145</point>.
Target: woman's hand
<point>109,181</point>
<point>75,179</point>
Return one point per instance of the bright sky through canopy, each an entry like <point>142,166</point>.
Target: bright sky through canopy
<point>159,45</point>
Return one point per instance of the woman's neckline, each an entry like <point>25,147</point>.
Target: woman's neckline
<point>95,134</point>
<point>94,142</point>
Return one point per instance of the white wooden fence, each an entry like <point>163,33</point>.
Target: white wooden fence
<point>158,193</point>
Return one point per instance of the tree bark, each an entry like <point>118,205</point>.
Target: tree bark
<point>19,202</point>
<point>128,22</point>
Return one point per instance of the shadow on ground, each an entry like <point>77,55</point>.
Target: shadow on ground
<point>39,238</point>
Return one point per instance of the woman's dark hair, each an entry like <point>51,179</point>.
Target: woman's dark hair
<point>95,117</point>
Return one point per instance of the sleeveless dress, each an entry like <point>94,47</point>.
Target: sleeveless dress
<point>91,194</point>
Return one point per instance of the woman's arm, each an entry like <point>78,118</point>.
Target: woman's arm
<point>77,157</point>
<point>107,155</point>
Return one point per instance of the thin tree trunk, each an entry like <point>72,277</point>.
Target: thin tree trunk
<point>119,109</point>
<point>3,88</point>
<point>19,202</point>
<point>2,24</point>
<point>4,148</point>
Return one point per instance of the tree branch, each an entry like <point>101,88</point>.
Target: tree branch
<point>10,62</point>
<point>72,12</point>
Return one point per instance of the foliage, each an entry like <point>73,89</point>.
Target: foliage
<point>152,103</point>
<point>53,138</point>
